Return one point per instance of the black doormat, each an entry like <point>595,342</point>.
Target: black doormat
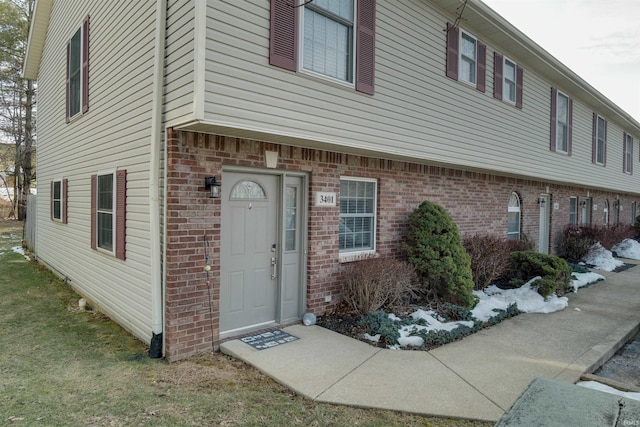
<point>268,339</point>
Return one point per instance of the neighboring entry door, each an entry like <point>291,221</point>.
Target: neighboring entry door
<point>543,241</point>
<point>261,251</point>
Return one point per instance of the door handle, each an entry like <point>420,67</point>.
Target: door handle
<point>273,268</point>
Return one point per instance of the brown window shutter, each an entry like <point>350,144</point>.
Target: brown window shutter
<point>594,138</point>
<point>624,152</point>
<point>481,82</point>
<point>497,75</point>
<point>452,51</point>
<point>121,214</point>
<point>553,118</point>
<point>570,127</point>
<point>51,204</point>
<point>85,65</point>
<point>519,84</point>
<point>604,154</point>
<point>67,83</point>
<point>366,46</point>
<point>63,202</point>
<point>94,184</point>
<point>283,34</point>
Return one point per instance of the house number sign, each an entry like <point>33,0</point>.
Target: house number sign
<point>325,199</point>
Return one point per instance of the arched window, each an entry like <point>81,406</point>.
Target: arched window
<point>513,232</point>
<point>248,189</point>
<point>606,212</point>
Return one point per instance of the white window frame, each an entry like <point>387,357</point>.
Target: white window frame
<point>628,165</point>
<point>351,81</point>
<point>78,32</point>
<point>506,82</point>
<point>113,212</point>
<point>573,211</point>
<point>562,122</point>
<point>462,58</point>
<point>514,209</point>
<point>352,255</point>
<point>60,200</point>
<point>601,142</point>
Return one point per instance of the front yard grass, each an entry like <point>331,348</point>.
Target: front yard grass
<point>62,367</point>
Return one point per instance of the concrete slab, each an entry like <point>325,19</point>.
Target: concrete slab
<point>411,381</point>
<point>310,365</point>
<point>547,402</point>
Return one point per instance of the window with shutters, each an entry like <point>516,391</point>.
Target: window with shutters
<point>599,140</point>
<point>628,153</point>
<point>468,58</point>
<point>108,212</point>
<point>77,98</point>
<point>56,200</point>
<point>332,39</point>
<point>561,118</point>
<point>357,225</point>
<point>509,80</point>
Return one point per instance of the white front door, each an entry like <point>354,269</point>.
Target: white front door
<point>261,281</point>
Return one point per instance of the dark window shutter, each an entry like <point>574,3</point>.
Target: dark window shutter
<point>604,150</point>
<point>67,82</point>
<point>570,127</point>
<point>624,152</point>
<point>283,34</point>
<point>85,65</point>
<point>121,214</point>
<point>366,46</point>
<point>497,75</point>
<point>51,204</point>
<point>594,138</point>
<point>452,51</point>
<point>553,118</point>
<point>63,202</point>
<point>519,83</point>
<point>94,184</point>
<point>481,82</point>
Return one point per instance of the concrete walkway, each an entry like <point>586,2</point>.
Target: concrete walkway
<point>478,377</point>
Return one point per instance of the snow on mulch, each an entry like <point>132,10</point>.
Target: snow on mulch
<point>628,248</point>
<point>602,259</point>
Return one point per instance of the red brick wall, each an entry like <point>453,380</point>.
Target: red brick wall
<point>477,202</point>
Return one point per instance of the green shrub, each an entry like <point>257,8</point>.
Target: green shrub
<point>374,283</point>
<point>434,248</point>
<point>555,271</point>
<point>489,258</point>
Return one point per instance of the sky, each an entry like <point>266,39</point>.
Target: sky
<point>597,39</point>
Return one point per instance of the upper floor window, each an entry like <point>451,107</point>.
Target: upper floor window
<point>628,153</point>
<point>357,226</point>
<point>466,57</point>
<point>329,38</point>
<point>561,122</point>
<point>338,39</point>
<point>78,71</point>
<point>599,139</point>
<point>507,80</point>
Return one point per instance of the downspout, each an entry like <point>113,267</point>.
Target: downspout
<point>157,307</point>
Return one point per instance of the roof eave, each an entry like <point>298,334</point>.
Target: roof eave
<point>37,36</point>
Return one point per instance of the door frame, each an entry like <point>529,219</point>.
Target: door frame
<point>280,218</point>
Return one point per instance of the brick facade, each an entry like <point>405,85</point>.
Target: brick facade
<point>477,202</point>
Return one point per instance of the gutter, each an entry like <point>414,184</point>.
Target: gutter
<point>157,297</point>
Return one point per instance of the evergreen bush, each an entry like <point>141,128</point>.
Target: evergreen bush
<point>434,248</point>
<point>555,271</point>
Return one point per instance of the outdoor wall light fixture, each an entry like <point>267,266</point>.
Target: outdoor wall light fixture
<point>212,184</point>
<point>541,201</point>
<point>583,203</point>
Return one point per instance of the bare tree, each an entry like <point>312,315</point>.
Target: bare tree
<point>16,96</point>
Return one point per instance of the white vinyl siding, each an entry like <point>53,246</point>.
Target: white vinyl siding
<point>416,114</point>
<point>116,132</point>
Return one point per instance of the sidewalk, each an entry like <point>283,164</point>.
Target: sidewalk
<point>478,377</point>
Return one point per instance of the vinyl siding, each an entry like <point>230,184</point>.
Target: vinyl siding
<point>113,134</point>
<point>179,69</point>
<point>416,113</point>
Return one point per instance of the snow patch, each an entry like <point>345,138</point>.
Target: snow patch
<point>584,279</point>
<point>601,258</point>
<point>20,250</point>
<point>628,248</point>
